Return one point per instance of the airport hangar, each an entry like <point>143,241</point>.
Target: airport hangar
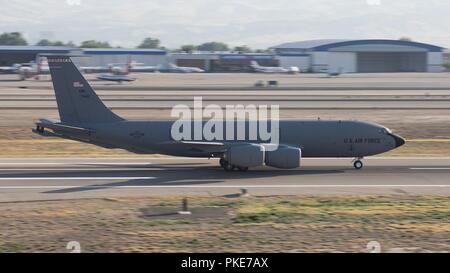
<point>223,61</point>
<point>360,56</point>
<point>10,55</point>
<point>106,56</point>
<point>347,56</point>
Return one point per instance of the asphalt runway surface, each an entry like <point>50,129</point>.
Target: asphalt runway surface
<point>210,81</point>
<point>303,91</point>
<point>32,179</point>
<point>286,104</point>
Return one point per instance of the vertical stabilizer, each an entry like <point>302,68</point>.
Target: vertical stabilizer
<point>77,101</point>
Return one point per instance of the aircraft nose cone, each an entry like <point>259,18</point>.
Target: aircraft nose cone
<point>399,141</point>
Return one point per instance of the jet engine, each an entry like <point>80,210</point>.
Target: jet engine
<point>248,155</point>
<point>284,158</point>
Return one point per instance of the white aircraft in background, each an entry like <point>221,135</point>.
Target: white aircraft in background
<point>273,69</point>
<point>95,69</point>
<point>9,69</point>
<point>33,69</point>
<point>140,67</point>
<point>119,68</point>
<point>173,68</point>
<point>118,73</point>
<point>335,73</point>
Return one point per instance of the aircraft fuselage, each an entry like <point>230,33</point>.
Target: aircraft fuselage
<point>316,138</point>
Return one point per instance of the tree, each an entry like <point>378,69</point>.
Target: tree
<point>188,48</point>
<point>243,49</point>
<point>149,43</point>
<point>46,42</point>
<point>447,64</point>
<point>94,44</point>
<point>213,46</point>
<point>71,44</point>
<point>12,38</point>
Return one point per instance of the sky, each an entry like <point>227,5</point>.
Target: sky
<point>255,23</point>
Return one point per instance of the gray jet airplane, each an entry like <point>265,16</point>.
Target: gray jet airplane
<point>85,118</point>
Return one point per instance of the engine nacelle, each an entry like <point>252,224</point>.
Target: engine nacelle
<point>284,158</point>
<point>248,155</point>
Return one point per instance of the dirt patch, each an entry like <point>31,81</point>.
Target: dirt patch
<point>157,213</point>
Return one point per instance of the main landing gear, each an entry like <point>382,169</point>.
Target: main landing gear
<point>229,168</point>
<point>358,164</point>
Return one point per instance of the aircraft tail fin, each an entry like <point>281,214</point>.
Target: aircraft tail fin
<point>77,101</point>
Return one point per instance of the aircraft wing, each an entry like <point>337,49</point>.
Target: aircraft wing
<point>143,69</point>
<point>222,147</point>
<point>210,147</point>
<point>94,69</point>
<point>7,69</point>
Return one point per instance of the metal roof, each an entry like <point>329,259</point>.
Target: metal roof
<point>309,44</point>
<point>247,56</point>
<point>123,51</point>
<point>34,49</point>
<point>325,45</point>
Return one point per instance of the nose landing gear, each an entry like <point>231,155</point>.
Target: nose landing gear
<point>40,129</point>
<point>358,164</point>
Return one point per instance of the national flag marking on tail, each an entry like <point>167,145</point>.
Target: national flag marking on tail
<point>77,84</point>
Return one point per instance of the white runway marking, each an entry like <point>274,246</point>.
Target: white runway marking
<point>432,169</point>
<point>93,169</point>
<point>80,161</point>
<point>77,163</point>
<point>78,178</point>
<point>226,186</point>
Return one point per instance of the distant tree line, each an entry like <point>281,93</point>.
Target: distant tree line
<point>16,38</point>
<point>217,46</point>
<point>12,38</point>
<point>447,64</point>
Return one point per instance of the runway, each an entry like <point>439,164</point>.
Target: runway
<point>236,81</point>
<point>72,178</point>
<point>283,104</point>
<point>306,99</point>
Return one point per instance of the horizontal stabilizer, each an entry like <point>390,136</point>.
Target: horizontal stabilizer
<point>60,128</point>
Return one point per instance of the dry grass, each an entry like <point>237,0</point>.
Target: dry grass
<point>266,224</point>
<point>54,147</point>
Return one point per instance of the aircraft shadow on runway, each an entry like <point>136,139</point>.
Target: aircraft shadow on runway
<point>168,175</point>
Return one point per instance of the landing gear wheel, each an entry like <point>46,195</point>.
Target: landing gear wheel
<point>358,164</point>
<point>222,162</point>
<point>228,167</point>
<point>242,169</point>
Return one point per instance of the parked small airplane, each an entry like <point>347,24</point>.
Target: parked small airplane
<point>85,118</point>
<point>119,68</point>
<point>95,69</point>
<point>273,69</point>
<point>115,78</point>
<point>173,68</point>
<point>118,74</point>
<point>33,69</point>
<point>335,73</point>
<point>9,69</point>
<point>140,67</point>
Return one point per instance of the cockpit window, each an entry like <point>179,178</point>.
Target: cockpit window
<point>386,131</point>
